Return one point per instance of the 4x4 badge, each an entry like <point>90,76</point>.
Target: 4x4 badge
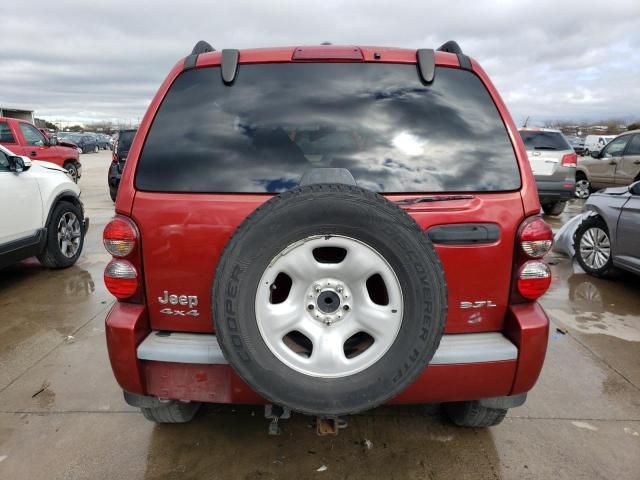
<point>180,313</point>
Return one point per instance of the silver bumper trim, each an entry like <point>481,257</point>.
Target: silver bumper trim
<point>204,348</point>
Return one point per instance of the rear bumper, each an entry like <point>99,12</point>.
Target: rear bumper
<point>554,190</point>
<point>186,366</point>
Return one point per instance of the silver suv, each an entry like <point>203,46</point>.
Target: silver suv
<point>553,162</point>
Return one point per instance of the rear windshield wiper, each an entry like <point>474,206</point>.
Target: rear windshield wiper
<point>440,198</point>
<point>545,147</point>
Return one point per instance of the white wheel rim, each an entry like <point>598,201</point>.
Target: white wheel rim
<point>582,188</point>
<point>327,330</point>
<point>595,248</point>
<point>69,234</point>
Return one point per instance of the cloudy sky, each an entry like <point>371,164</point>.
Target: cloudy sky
<point>84,60</point>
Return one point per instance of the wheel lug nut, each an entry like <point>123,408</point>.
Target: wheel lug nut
<point>339,288</point>
<point>310,306</point>
<point>345,308</point>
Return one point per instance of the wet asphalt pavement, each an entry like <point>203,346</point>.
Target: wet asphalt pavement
<point>62,414</point>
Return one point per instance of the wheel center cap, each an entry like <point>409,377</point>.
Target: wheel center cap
<point>328,301</point>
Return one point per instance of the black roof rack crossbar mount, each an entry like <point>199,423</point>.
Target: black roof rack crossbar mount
<point>452,47</point>
<point>200,47</point>
<point>426,64</point>
<point>229,65</point>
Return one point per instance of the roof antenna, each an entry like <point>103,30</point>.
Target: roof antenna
<point>525,122</point>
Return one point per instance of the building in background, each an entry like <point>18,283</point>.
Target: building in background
<point>19,113</point>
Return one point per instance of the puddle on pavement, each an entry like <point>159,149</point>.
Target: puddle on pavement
<point>593,305</point>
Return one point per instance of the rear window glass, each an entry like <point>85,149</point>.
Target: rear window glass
<point>125,139</point>
<point>278,121</point>
<point>544,140</point>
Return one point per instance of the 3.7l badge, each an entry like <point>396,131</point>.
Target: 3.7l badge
<point>190,301</point>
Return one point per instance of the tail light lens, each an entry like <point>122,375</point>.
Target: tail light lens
<point>120,237</point>
<point>532,277</point>
<point>535,237</point>
<point>123,275</point>
<point>121,279</point>
<point>569,160</point>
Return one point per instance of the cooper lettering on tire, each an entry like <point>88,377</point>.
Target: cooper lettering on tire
<point>329,299</point>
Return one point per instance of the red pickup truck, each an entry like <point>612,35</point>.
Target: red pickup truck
<point>23,138</point>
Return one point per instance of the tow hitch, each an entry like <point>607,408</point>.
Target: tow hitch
<point>329,425</point>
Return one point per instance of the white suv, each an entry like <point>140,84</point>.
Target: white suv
<point>42,214</point>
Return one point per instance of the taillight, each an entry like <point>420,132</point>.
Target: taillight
<point>535,237</point>
<point>120,237</point>
<point>121,278</point>
<point>123,274</point>
<point>534,279</point>
<point>569,160</point>
<point>532,276</point>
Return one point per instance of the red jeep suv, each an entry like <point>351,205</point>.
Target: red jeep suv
<point>323,230</point>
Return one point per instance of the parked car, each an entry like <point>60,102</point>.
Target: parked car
<point>121,148</point>
<point>617,164</point>
<point>577,143</point>
<point>103,141</point>
<point>595,143</point>
<point>42,214</point>
<point>59,140</point>
<point>23,138</point>
<point>553,162</point>
<point>608,236</point>
<point>86,143</point>
<point>296,232</point>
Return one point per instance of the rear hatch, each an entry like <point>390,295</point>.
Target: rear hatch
<point>215,152</point>
<point>545,150</point>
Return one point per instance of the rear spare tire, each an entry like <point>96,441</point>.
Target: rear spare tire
<point>329,300</point>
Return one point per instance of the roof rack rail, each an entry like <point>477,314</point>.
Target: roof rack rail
<point>452,47</point>
<point>200,47</point>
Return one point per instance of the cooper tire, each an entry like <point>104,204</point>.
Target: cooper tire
<point>472,414</point>
<point>55,255</point>
<point>335,213</point>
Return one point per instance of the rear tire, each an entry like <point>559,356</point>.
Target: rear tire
<point>583,186</point>
<point>96,149</point>
<point>472,414</point>
<point>172,412</point>
<point>554,209</point>
<point>113,193</point>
